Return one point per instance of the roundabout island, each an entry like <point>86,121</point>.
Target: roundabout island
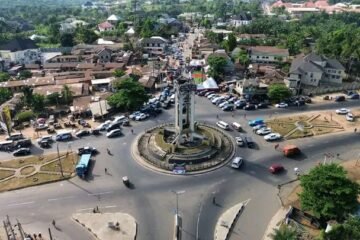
<point>186,146</point>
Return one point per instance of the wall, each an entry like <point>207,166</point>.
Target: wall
<point>324,90</point>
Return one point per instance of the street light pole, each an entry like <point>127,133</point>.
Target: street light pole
<point>177,193</point>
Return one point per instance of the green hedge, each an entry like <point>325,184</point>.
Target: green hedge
<point>24,116</point>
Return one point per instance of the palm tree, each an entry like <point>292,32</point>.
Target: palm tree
<point>284,233</point>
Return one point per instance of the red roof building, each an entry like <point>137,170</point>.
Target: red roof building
<point>105,26</point>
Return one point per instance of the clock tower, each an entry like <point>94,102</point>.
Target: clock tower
<point>184,110</point>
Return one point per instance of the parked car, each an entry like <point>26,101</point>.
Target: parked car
<point>113,126</point>
<point>221,105</point>
<point>47,138</point>
<point>349,117</point>
<point>240,105</point>
<point>276,168</point>
<point>45,143</point>
<point>23,143</point>
<point>272,137</point>
<point>14,137</point>
<point>114,133</point>
<point>262,105</point>
<point>326,97</point>
<point>354,96</point>
<point>340,98</point>
<point>260,126</point>
<point>255,122</point>
<point>263,131</point>
<point>87,150</point>
<point>250,107</point>
<point>223,125</point>
<point>134,114</point>
<point>82,133</point>
<point>229,107</point>
<point>342,111</point>
<point>22,152</point>
<point>141,116</point>
<point>103,126</point>
<point>281,105</point>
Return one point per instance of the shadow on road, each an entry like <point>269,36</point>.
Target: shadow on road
<point>76,185</point>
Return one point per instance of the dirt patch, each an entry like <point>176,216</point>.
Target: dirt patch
<point>27,170</point>
<point>68,164</point>
<point>6,173</point>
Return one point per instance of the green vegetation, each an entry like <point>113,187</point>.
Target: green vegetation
<point>278,92</point>
<point>130,95</point>
<point>328,193</point>
<point>4,77</point>
<point>24,116</point>
<point>349,230</point>
<point>285,232</point>
<point>217,65</point>
<point>5,95</point>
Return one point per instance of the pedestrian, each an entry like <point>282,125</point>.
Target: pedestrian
<point>97,209</point>
<point>214,200</point>
<point>132,131</point>
<point>53,222</point>
<point>105,170</point>
<point>355,130</point>
<point>232,115</point>
<point>217,116</point>
<point>108,151</point>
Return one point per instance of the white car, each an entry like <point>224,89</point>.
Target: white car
<point>342,111</point>
<point>263,131</point>
<point>211,95</point>
<point>281,105</point>
<point>239,141</point>
<point>103,126</point>
<point>350,117</point>
<point>141,116</point>
<point>114,133</point>
<point>258,127</point>
<point>134,115</point>
<point>272,137</point>
<point>223,104</point>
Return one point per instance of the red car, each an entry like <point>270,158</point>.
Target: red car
<point>276,168</point>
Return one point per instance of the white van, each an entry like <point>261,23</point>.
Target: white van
<point>223,125</point>
<point>119,119</point>
<point>236,126</point>
<point>237,162</point>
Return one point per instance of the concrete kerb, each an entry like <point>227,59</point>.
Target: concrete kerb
<point>137,157</point>
<point>226,222</point>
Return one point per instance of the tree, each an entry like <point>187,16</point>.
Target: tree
<point>349,230</point>
<point>5,95</point>
<point>67,95</point>
<point>24,116</point>
<point>284,233</point>
<point>38,102</point>
<point>243,57</point>
<point>217,65</point>
<point>53,99</point>
<point>67,40</point>
<point>118,73</point>
<point>230,43</point>
<point>85,35</point>
<point>28,95</point>
<point>4,77</point>
<point>24,74</point>
<point>278,92</point>
<point>328,193</point>
<point>130,95</point>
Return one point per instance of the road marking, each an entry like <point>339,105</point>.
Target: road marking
<point>114,206</point>
<point>84,209</point>
<point>246,202</point>
<point>19,204</point>
<point>101,193</point>
<point>61,198</point>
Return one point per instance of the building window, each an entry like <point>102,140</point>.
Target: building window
<point>337,77</point>
<point>339,72</point>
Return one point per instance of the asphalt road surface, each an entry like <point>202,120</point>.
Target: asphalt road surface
<point>152,203</point>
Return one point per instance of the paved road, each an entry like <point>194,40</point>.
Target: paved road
<point>152,203</point>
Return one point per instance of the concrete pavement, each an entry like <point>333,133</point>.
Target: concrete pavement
<point>108,226</point>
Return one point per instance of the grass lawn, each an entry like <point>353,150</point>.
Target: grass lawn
<point>68,164</point>
<point>36,179</point>
<point>27,170</point>
<point>21,162</point>
<point>300,134</point>
<point>282,128</point>
<point>6,173</point>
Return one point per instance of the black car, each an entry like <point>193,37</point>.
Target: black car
<point>201,93</point>
<point>22,152</point>
<point>45,144</point>
<point>113,126</point>
<point>250,107</point>
<point>262,105</point>
<point>87,150</point>
<point>250,143</point>
<point>339,98</point>
<point>23,143</point>
<point>241,105</point>
<point>82,133</point>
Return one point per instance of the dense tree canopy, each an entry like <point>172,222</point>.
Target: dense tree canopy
<point>349,230</point>
<point>130,95</point>
<point>328,193</point>
<point>284,233</point>
<point>5,95</point>
<point>217,64</point>
<point>278,92</point>
<point>4,76</point>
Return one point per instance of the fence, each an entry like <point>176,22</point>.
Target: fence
<point>331,89</point>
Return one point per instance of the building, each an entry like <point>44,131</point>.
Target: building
<point>106,26</point>
<point>250,87</point>
<point>267,54</point>
<point>2,65</point>
<point>20,51</point>
<point>314,70</point>
<point>70,25</point>
<point>103,55</point>
<point>113,19</point>
<point>154,45</point>
<point>240,20</point>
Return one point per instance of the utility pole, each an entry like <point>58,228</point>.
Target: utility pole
<point>60,164</point>
<point>177,193</point>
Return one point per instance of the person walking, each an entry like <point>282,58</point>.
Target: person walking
<point>106,171</point>
<point>355,130</point>
<point>108,151</point>
<point>214,200</point>
<point>132,131</point>
<point>53,222</point>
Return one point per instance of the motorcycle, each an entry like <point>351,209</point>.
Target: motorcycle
<point>126,181</point>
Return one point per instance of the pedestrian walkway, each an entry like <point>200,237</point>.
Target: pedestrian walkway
<point>226,221</point>
<point>108,226</point>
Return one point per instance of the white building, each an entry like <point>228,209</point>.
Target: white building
<point>267,54</point>
<point>20,51</point>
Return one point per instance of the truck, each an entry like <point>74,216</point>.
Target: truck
<point>290,150</point>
